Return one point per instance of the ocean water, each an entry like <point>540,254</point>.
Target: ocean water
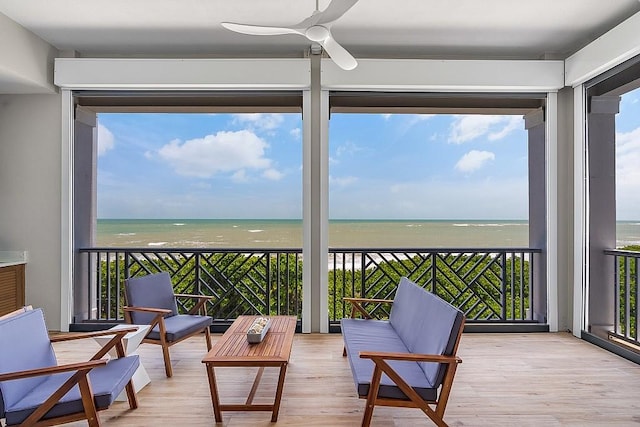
<point>226,233</point>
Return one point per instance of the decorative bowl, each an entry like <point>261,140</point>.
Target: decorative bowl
<point>258,330</point>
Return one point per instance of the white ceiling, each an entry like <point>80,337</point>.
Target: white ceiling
<point>442,29</point>
<point>531,29</point>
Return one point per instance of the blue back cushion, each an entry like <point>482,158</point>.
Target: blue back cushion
<point>152,291</point>
<point>426,323</point>
<point>25,345</point>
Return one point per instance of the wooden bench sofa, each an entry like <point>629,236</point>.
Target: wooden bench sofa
<point>408,360</point>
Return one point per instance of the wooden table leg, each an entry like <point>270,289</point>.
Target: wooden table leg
<point>213,388</point>
<point>255,385</point>
<point>276,403</point>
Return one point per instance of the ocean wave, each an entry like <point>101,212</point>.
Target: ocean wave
<point>255,231</point>
<point>126,234</point>
<point>157,243</point>
<point>178,224</point>
<point>487,224</point>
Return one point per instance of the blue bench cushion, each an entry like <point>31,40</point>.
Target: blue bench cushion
<point>379,335</point>
<point>180,326</point>
<point>419,323</point>
<point>426,324</point>
<point>107,382</point>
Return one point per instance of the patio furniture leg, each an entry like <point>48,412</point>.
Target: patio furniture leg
<point>372,396</point>
<point>213,388</point>
<point>276,403</point>
<point>254,387</point>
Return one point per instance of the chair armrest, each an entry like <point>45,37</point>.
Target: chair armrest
<point>199,306</point>
<point>80,335</point>
<point>116,341</point>
<point>53,370</point>
<point>147,310</point>
<point>194,296</point>
<point>410,357</point>
<point>366,300</point>
<point>357,305</point>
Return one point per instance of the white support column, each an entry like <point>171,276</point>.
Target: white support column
<point>535,124</point>
<point>580,215</point>
<point>85,187</point>
<point>601,141</point>
<point>552,209</point>
<point>66,218</point>
<point>315,312</point>
<point>323,206</point>
<point>306,210</point>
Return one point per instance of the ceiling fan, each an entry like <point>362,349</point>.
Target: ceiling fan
<point>316,28</point>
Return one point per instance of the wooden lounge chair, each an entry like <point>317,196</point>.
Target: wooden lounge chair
<point>151,301</point>
<point>409,360</point>
<point>36,391</point>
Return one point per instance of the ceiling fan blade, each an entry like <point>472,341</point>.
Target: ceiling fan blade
<point>335,10</point>
<point>338,54</point>
<point>259,30</point>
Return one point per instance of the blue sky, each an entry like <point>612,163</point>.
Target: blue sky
<point>381,166</point>
<point>628,157</point>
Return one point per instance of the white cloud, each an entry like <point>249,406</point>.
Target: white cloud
<point>469,127</point>
<point>473,199</point>
<point>474,160</point>
<point>512,123</point>
<point>240,176</point>
<point>272,174</point>
<point>417,118</point>
<point>386,116</point>
<point>628,174</point>
<point>296,133</point>
<point>342,181</point>
<point>260,121</point>
<point>212,154</point>
<point>348,148</point>
<point>106,140</point>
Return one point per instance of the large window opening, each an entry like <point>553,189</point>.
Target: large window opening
<point>182,180</point>
<point>428,180</point>
<point>628,171</point>
<point>205,186</point>
<point>447,190</point>
<point>613,141</point>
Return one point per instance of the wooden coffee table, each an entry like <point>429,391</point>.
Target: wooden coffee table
<point>233,350</point>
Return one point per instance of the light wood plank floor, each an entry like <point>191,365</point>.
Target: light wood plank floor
<point>505,380</point>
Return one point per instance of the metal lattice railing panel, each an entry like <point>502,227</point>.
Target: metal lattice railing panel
<point>626,322</point>
<point>489,285</point>
<point>492,285</point>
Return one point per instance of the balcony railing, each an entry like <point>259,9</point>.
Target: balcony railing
<point>627,293</point>
<point>489,285</point>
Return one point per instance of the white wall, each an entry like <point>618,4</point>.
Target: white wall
<point>26,63</point>
<point>30,206</point>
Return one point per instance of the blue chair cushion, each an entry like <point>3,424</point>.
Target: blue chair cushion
<point>25,346</point>
<point>180,326</point>
<point>153,291</point>
<point>426,323</point>
<point>379,335</point>
<point>107,382</point>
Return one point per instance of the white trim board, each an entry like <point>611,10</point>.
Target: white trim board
<point>613,48</point>
<point>181,74</point>
<point>446,75</point>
